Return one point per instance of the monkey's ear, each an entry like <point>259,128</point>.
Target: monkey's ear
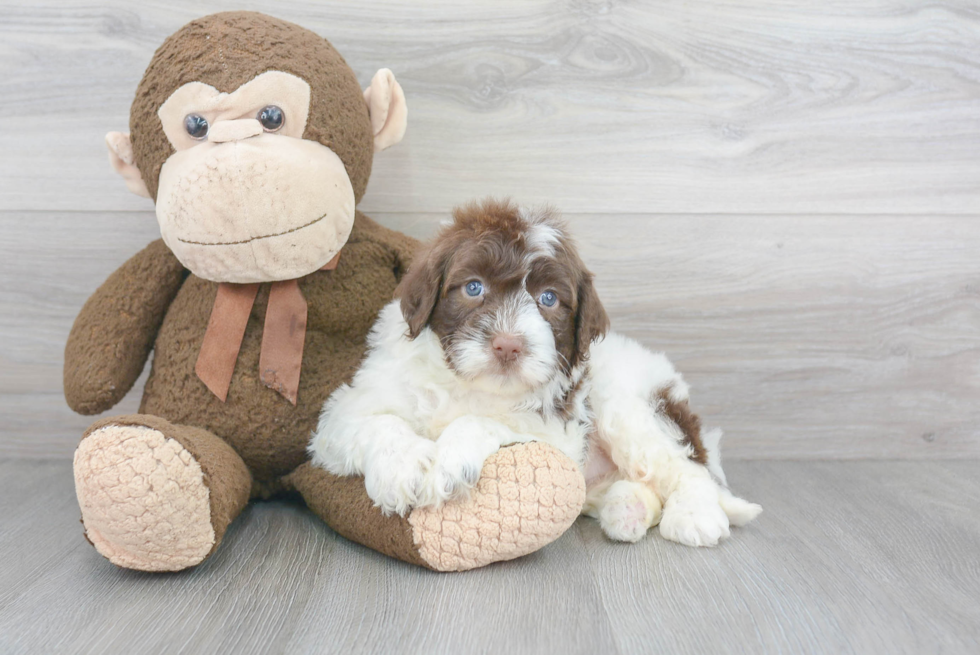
<point>121,158</point>
<point>386,105</point>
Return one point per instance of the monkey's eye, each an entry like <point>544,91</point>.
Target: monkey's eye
<point>473,288</point>
<point>548,298</point>
<point>196,126</point>
<point>271,118</point>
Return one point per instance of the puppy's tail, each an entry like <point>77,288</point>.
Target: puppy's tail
<point>711,440</point>
<point>739,511</point>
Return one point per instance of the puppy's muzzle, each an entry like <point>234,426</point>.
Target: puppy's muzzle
<point>507,347</point>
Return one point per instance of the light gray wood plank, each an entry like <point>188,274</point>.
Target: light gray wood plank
<point>712,106</point>
<point>282,582</point>
<point>849,557</point>
<point>803,336</point>
<point>49,265</point>
<point>871,557</point>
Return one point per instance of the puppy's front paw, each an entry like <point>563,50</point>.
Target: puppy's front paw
<point>456,471</point>
<point>396,480</point>
<point>628,510</point>
<point>694,522</point>
<point>463,447</point>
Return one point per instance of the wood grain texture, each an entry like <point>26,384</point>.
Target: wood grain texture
<point>804,334</point>
<point>783,196</point>
<point>807,336</point>
<point>860,557</point>
<point>871,557</point>
<point>864,106</point>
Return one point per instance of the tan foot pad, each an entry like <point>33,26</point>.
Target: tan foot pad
<point>145,504</point>
<point>527,497</point>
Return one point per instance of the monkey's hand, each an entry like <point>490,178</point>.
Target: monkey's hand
<point>114,333</point>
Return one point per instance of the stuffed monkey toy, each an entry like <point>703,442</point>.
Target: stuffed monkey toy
<point>255,142</point>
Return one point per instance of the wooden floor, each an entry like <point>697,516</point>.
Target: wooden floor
<point>783,196</point>
<point>849,557</point>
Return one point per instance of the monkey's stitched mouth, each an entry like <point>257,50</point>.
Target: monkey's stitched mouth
<point>244,241</point>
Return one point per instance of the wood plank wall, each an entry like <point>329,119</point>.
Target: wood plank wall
<point>783,196</point>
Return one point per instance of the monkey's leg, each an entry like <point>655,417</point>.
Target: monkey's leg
<point>157,496</point>
<point>528,495</point>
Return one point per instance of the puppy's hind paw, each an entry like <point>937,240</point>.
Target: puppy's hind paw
<point>628,510</point>
<point>702,524</point>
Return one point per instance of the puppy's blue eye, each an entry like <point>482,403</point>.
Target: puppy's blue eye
<point>474,288</point>
<point>548,298</point>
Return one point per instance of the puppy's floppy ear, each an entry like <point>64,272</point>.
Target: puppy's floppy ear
<point>591,321</point>
<point>419,290</point>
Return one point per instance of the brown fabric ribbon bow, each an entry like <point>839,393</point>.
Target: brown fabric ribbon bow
<point>283,336</point>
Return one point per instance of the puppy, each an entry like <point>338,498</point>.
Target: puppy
<point>487,346</point>
<point>649,460</point>
<point>490,345</point>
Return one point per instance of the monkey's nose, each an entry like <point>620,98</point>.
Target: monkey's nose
<point>235,130</point>
<point>507,347</point>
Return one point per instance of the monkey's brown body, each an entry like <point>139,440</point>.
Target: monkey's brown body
<point>266,430</point>
<point>158,489</point>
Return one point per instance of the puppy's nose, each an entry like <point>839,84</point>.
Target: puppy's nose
<point>507,347</point>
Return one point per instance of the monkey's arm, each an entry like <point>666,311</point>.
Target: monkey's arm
<point>401,246</point>
<point>404,248</point>
<point>114,333</point>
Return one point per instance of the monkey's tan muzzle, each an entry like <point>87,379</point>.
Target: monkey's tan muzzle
<point>276,208</point>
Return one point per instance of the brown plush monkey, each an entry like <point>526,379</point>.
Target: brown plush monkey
<point>255,141</point>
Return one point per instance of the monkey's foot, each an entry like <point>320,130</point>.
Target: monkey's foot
<point>144,499</point>
<point>527,496</point>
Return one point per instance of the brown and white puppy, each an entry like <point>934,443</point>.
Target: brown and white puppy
<point>487,346</point>
<point>649,461</point>
<point>492,344</point>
